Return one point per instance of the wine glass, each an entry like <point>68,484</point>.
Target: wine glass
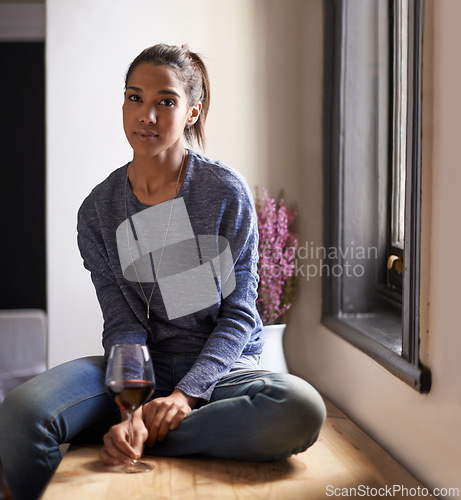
<point>130,382</point>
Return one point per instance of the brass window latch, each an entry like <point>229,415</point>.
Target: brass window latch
<point>395,263</point>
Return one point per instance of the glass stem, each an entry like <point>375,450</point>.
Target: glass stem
<point>130,430</point>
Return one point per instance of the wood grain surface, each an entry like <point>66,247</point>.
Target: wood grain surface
<point>343,457</point>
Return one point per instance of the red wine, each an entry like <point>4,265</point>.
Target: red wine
<point>131,394</point>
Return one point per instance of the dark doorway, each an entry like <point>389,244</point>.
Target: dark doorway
<point>22,180</point>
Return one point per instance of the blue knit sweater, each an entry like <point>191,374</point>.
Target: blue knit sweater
<point>197,252</point>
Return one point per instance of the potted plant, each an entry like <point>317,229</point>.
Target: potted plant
<point>278,246</point>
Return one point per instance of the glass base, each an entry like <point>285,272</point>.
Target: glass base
<point>132,468</point>
<point>136,466</point>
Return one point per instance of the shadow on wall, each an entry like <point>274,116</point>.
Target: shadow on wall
<point>290,55</point>
<point>290,58</point>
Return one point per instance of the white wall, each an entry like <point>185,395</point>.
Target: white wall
<point>89,45</point>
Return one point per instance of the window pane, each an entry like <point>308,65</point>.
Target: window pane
<point>365,121</point>
<point>400,122</point>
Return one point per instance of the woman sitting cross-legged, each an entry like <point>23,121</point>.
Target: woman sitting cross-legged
<point>170,240</point>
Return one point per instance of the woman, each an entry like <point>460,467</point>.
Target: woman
<point>170,240</point>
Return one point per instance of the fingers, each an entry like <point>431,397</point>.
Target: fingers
<point>169,418</point>
<point>138,439</point>
<point>117,450</point>
<point>163,415</point>
<point>108,458</point>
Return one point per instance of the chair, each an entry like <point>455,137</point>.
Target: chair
<point>22,347</point>
<point>22,351</point>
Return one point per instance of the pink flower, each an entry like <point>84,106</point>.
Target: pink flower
<point>277,257</point>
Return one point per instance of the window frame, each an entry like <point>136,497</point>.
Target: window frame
<point>366,331</point>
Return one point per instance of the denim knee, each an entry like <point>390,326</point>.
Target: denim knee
<point>296,412</point>
<point>306,409</point>
<point>13,413</point>
<point>33,415</point>
<point>19,415</point>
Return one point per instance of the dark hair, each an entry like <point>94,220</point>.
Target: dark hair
<point>190,70</point>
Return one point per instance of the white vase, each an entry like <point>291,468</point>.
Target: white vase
<point>273,356</point>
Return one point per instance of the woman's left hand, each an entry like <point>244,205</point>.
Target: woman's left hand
<point>162,415</point>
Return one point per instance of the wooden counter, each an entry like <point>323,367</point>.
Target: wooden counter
<point>343,457</point>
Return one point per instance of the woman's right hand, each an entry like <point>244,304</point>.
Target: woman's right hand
<point>116,449</point>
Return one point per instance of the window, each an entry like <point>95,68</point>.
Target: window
<point>372,135</point>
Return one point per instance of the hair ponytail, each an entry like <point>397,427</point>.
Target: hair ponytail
<point>197,130</point>
<point>191,70</point>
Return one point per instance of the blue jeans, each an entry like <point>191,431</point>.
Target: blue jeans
<point>253,415</point>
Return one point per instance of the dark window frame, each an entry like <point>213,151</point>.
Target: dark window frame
<point>369,332</point>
